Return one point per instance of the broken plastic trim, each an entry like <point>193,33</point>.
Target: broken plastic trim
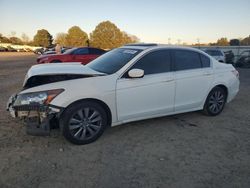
<point>37,117</point>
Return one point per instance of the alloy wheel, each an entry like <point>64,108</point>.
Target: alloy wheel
<point>216,102</point>
<point>85,123</point>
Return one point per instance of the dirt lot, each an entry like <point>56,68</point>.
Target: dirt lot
<point>187,150</point>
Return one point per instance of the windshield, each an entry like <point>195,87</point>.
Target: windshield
<point>113,60</point>
<point>214,52</point>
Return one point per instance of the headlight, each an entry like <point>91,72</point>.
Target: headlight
<point>37,98</point>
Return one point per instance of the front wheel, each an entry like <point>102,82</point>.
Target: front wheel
<point>83,122</point>
<point>215,102</point>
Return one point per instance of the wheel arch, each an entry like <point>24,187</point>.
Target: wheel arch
<point>221,85</point>
<point>103,104</point>
<point>55,61</point>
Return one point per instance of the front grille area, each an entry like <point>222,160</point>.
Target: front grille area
<point>31,108</point>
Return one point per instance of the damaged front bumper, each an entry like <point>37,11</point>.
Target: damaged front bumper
<point>37,117</point>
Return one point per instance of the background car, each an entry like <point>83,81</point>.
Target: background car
<point>11,49</point>
<point>217,54</point>
<point>21,50</point>
<point>243,59</point>
<point>229,56</point>
<point>52,51</point>
<point>3,49</point>
<point>39,51</point>
<point>83,55</point>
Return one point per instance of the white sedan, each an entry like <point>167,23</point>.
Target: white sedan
<point>130,83</point>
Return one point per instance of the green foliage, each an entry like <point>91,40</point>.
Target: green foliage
<point>107,36</point>
<point>222,42</point>
<point>76,37</point>
<point>43,38</point>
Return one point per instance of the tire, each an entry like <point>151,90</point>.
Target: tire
<point>83,122</point>
<point>55,61</point>
<point>215,102</point>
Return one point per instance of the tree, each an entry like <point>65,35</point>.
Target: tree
<point>12,34</point>
<point>107,36</point>
<point>246,41</point>
<point>25,38</point>
<point>76,37</point>
<point>43,38</point>
<point>134,38</point>
<point>4,39</point>
<point>61,38</point>
<point>222,42</point>
<point>15,40</point>
<point>127,38</point>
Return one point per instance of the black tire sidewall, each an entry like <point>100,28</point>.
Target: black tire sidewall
<point>206,106</point>
<point>67,114</point>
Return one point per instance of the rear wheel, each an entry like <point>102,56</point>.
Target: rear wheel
<point>83,122</point>
<point>215,102</point>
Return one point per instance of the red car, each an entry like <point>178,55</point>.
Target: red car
<point>83,55</point>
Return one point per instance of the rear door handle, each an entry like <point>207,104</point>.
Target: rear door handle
<point>169,80</point>
<point>207,73</point>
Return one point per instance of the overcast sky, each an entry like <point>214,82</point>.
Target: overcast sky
<point>150,20</point>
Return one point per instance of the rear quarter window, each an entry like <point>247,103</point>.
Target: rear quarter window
<point>96,51</point>
<point>205,61</point>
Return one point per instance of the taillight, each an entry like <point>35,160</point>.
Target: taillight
<point>236,73</point>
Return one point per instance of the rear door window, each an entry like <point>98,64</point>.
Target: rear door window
<point>186,60</point>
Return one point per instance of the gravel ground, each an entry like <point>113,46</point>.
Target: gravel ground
<point>186,150</point>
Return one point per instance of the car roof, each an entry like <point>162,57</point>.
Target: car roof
<point>144,46</point>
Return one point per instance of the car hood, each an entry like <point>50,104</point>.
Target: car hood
<point>44,55</point>
<point>53,70</point>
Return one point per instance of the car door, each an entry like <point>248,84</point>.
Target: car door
<point>150,95</point>
<point>193,76</point>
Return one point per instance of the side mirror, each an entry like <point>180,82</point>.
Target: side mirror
<point>136,73</point>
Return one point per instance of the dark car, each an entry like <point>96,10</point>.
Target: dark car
<point>39,51</point>
<point>3,49</point>
<point>229,56</point>
<point>10,49</point>
<point>83,55</point>
<point>243,59</point>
